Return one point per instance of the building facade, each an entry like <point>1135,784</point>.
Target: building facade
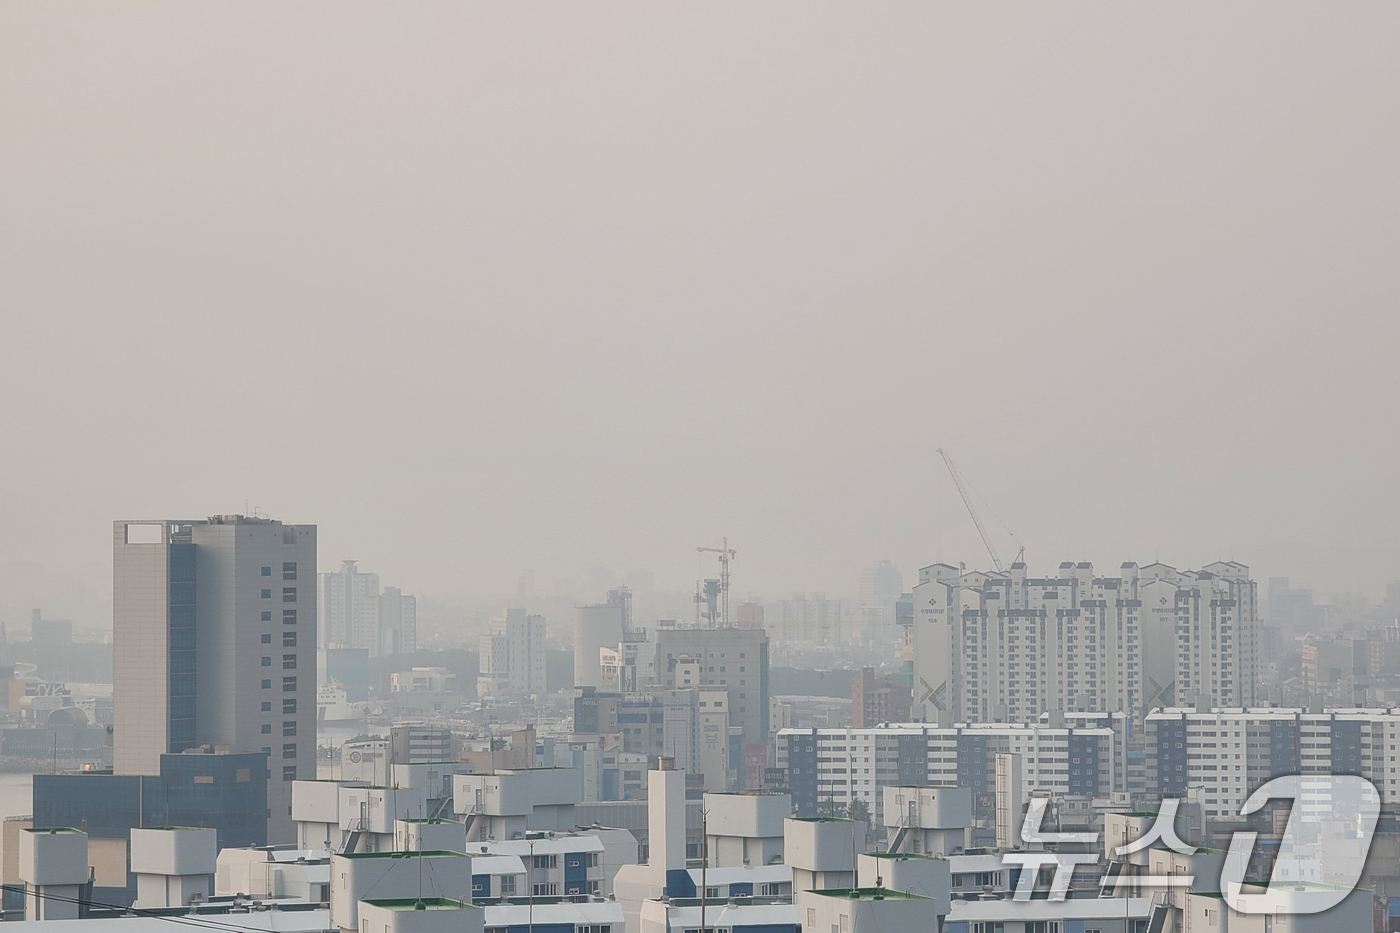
<point>826,770</point>
<point>349,609</point>
<point>599,628</point>
<point>512,659</point>
<point>398,622</point>
<point>214,636</point>
<point>1006,647</point>
<point>734,658</point>
<point>1229,753</point>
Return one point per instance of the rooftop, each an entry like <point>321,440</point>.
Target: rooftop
<point>868,894</point>
<point>420,903</point>
<point>424,853</point>
<point>1087,908</point>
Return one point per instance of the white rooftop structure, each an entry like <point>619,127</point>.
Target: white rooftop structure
<point>1105,909</point>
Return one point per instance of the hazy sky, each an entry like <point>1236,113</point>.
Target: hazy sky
<point>478,288</point>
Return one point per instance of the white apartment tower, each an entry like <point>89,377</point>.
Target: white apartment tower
<point>213,643</point>
<point>511,659</point>
<point>349,607</point>
<point>1006,647</point>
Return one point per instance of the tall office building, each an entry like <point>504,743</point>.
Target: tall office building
<point>1006,647</point>
<point>511,659</point>
<point>733,658</point>
<point>349,609</point>
<point>213,641</point>
<point>398,622</point>
<point>599,627</point>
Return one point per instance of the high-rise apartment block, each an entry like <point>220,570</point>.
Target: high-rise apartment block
<point>829,769</point>
<point>1228,753</point>
<point>1006,647</point>
<point>511,659</point>
<point>214,635</point>
<point>355,614</point>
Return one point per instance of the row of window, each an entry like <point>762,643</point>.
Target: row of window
<point>289,616</point>
<point>289,570</point>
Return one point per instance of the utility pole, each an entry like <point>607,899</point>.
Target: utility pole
<point>704,862</point>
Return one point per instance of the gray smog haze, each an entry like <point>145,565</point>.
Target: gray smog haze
<point>481,288</point>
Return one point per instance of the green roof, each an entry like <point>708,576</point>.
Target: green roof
<point>52,830</point>
<point>428,903</point>
<point>869,894</point>
<point>903,855</point>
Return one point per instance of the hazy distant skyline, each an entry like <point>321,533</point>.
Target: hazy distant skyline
<point>482,288</point>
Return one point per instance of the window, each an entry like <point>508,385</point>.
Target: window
<point>243,775</point>
<point>591,860</point>
<point>289,727</point>
<point>267,594</point>
<point>507,885</point>
<point>546,861</point>
<point>267,571</point>
<point>267,728</point>
<point>289,773</point>
<point>289,617</point>
<point>289,639</point>
<point>204,779</point>
<point>267,685</point>
<point>267,639</point>
<point>289,570</point>
<point>289,662</point>
<point>267,616</point>
<point>289,594</point>
<point>289,684</point>
<point>267,706</point>
<point>288,707</point>
<point>549,889</point>
<point>267,661</point>
<point>289,750</point>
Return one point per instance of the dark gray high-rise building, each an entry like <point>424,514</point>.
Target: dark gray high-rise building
<point>214,641</point>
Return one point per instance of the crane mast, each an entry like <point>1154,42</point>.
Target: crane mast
<point>725,554</point>
<point>967,501</point>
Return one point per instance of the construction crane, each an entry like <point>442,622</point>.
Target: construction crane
<point>967,501</point>
<point>725,554</point>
